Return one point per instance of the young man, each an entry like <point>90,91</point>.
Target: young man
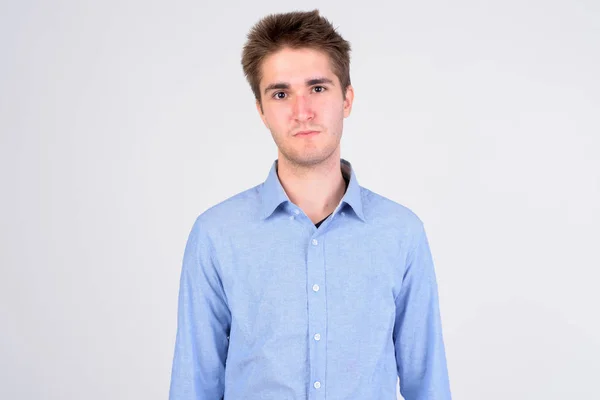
<point>307,286</point>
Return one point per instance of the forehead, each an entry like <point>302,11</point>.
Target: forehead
<point>295,66</point>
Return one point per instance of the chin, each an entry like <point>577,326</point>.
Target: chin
<point>310,159</point>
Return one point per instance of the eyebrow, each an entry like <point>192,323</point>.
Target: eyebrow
<point>309,82</point>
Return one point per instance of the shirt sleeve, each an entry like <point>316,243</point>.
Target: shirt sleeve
<point>418,341</point>
<point>203,324</point>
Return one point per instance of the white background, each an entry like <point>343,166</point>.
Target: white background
<point>122,121</point>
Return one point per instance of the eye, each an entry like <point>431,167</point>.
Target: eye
<point>279,95</point>
<point>319,89</point>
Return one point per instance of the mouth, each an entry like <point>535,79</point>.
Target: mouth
<point>307,133</point>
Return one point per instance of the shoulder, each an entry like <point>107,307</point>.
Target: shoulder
<point>391,216</point>
<point>235,211</point>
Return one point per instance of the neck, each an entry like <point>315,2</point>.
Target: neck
<point>316,189</point>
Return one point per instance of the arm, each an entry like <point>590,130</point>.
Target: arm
<point>420,354</point>
<point>203,323</point>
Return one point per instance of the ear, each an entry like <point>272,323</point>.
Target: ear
<point>348,101</point>
<point>261,113</point>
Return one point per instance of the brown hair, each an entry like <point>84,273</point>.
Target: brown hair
<point>296,30</point>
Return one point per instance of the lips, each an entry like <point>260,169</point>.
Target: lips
<point>306,133</point>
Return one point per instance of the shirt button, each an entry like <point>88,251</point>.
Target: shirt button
<point>296,212</point>
<point>315,242</point>
<point>343,213</point>
<point>291,217</point>
<point>317,384</point>
<point>317,336</point>
<point>315,288</point>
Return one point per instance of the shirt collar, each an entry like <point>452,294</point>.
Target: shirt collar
<point>273,195</point>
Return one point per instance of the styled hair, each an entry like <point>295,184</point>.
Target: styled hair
<point>296,30</point>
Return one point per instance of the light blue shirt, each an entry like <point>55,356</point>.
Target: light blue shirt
<point>270,307</point>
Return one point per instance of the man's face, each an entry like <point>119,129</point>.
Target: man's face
<point>300,93</point>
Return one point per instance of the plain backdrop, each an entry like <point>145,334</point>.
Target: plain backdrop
<point>121,121</point>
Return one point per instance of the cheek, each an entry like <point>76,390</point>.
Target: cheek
<point>330,112</point>
<point>277,117</point>
<point>328,105</point>
<point>275,110</point>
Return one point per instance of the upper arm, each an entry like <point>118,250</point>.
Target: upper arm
<point>418,341</point>
<point>203,323</point>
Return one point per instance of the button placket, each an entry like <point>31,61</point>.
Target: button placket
<point>317,317</point>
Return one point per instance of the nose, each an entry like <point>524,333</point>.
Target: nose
<point>302,110</point>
